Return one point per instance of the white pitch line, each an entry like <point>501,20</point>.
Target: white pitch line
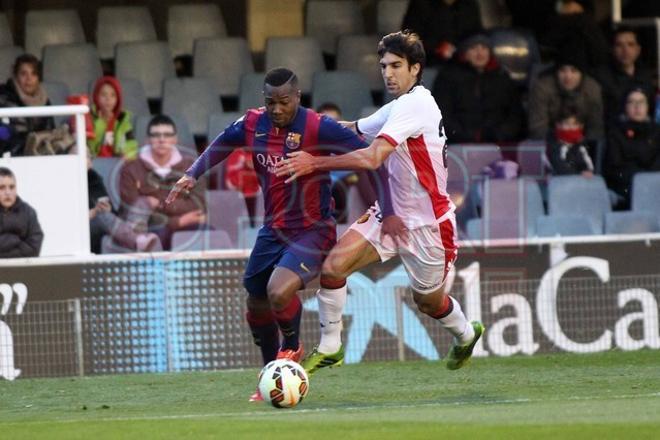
<point>322,410</point>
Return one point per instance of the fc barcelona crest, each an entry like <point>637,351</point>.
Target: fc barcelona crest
<point>292,140</point>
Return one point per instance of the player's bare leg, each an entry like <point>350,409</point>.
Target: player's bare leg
<point>441,306</point>
<point>283,286</point>
<point>350,254</point>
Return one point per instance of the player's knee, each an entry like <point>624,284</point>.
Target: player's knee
<point>428,304</point>
<point>257,305</point>
<point>333,267</point>
<point>279,296</point>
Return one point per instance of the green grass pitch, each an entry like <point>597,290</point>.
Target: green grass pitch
<point>600,396</point>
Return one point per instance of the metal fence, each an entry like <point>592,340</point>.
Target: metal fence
<point>203,328</point>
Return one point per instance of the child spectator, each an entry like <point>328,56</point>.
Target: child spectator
<point>569,153</point>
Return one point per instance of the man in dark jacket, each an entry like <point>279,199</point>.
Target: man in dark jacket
<point>24,89</point>
<point>20,232</point>
<point>478,100</point>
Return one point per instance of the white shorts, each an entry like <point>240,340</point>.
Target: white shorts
<point>429,255</point>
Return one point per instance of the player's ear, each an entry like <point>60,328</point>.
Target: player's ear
<point>414,69</point>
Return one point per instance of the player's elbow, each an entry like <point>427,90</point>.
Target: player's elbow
<point>372,162</point>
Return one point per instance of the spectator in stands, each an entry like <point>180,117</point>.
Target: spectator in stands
<point>20,232</point>
<point>441,24</point>
<point>623,72</point>
<point>113,129</point>
<point>146,181</point>
<point>568,150</point>
<point>24,89</point>
<point>633,144</point>
<point>572,25</point>
<point>102,219</point>
<point>479,101</point>
<point>566,84</point>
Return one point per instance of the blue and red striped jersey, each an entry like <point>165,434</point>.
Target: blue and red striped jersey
<point>304,202</point>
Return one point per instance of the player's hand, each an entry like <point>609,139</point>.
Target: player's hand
<point>297,164</point>
<point>183,185</point>
<point>395,228</point>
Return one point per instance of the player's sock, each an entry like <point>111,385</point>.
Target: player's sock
<point>265,333</point>
<point>452,318</point>
<point>331,298</point>
<point>289,321</point>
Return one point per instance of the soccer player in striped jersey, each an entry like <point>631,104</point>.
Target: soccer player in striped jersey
<point>298,230</point>
<point>410,140</point>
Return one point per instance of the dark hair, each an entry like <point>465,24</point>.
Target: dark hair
<point>328,106</point>
<point>279,76</point>
<point>30,59</point>
<point>624,30</point>
<point>405,44</point>
<point>636,88</point>
<point>569,111</point>
<point>6,172</point>
<point>160,120</point>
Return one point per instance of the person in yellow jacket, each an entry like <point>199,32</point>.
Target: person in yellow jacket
<point>113,129</point>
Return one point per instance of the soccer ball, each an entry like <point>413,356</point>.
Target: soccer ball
<point>283,383</point>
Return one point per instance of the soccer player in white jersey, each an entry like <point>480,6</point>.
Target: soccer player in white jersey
<point>409,138</point>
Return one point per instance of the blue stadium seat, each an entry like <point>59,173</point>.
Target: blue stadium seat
<point>222,61</point>
<point>349,90</point>
<point>122,24</point>
<point>389,15</point>
<point>646,193</point>
<point>358,53</point>
<point>226,211</point>
<point>630,222</point>
<point>563,225</point>
<point>75,65</point>
<point>250,93</point>
<point>580,196</point>
<point>148,62</point>
<point>300,54</point>
<point>187,22</point>
<point>192,98</point>
<point>327,20</point>
<point>200,240</point>
<point>45,27</point>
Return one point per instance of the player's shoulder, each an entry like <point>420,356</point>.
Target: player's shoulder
<point>416,95</point>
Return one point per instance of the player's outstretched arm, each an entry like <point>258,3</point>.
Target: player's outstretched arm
<point>184,185</point>
<point>300,163</point>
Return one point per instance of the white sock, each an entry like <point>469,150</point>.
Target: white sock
<point>458,325</point>
<point>331,306</point>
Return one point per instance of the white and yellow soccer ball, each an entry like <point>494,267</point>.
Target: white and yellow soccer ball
<point>283,383</point>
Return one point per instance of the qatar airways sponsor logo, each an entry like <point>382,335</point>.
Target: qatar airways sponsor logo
<point>269,161</point>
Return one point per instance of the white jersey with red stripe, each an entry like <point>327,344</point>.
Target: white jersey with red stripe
<point>417,168</point>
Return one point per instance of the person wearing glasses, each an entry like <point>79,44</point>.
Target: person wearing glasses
<point>146,181</point>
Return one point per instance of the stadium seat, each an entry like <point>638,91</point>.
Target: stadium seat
<point>6,37</point>
<point>531,156</point>
<point>300,54</point>
<point>200,240</point>
<point>563,225</point>
<point>109,168</point>
<point>389,15</point>
<point>148,62</point>
<point>51,26</point>
<point>122,24</point>
<point>226,209</point>
<point>630,222</point>
<point>187,22</point>
<point>219,121</point>
<point>358,53</point>
<point>8,55</point>
<point>327,20</point>
<point>192,98</point>
<point>222,61</point>
<point>349,90</point>
<point>57,94</point>
<point>509,209</point>
<point>186,138</point>
<point>577,195</point>
<point>75,65</point>
<point>250,93</point>
<point>134,97</point>
<point>475,157</point>
<point>516,51</point>
<point>646,193</point>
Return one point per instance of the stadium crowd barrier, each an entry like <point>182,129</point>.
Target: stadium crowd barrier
<point>180,312</point>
